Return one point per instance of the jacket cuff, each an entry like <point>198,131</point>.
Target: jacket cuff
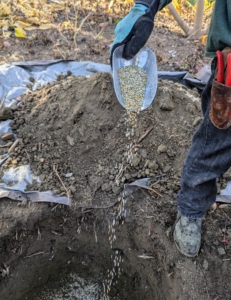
<point>160,3</point>
<point>144,2</point>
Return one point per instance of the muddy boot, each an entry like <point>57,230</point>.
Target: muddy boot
<point>187,235</point>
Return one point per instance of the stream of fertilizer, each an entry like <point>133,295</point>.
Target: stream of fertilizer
<point>133,84</point>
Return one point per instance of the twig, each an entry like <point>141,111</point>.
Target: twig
<point>33,254</point>
<point>57,174</point>
<point>14,145</point>
<point>80,26</point>
<point>145,256</point>
<point>87,211</point>
<point>119,175</point>
<point>95,37</point>
<point>27,155</point>
<point>145,134</point>
<point>60,53</point>
<point>59,30</point>
<point>55,207</point>
<point>154,191</point>
<point>55,232</point>
<point>135,146</point>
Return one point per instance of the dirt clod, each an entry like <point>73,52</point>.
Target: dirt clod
<point>6,113</point>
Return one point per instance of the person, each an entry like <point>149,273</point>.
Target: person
<point>210,154</point>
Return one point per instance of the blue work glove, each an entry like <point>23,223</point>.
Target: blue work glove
<point>134,30</point>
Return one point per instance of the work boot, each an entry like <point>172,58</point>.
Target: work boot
<point>187,235</point>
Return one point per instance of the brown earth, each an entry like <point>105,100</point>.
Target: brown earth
<point>77,125</point>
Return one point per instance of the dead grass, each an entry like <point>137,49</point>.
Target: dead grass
<point>26,15</point>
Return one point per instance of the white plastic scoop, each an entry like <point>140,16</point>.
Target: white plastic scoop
<point>145,59</point>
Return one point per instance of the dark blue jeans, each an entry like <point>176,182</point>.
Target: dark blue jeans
<point>208,158</point>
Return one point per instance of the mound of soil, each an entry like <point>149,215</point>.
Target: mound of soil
<point>76,128</point>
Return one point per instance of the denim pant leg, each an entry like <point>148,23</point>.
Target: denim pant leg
<point>208,158</point>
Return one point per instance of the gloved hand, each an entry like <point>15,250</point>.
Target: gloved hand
<point>135,29</point>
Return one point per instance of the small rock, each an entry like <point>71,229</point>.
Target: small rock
<point>6,113</point>
<point>224,206</point>
<point>41,159</point>
<point>221,251</point>
<point>72,189</point>
<point>42,177</point>
<point>68,175</point>
<point>191,108</point>
<point>106,187</point>
<point>228,232</point>
<point>123,179</point>
<point>143,153</point>
<point>205,264</point>
<point>70,140</point>
<point>146,163</point>
<point>111,177</point>
<point>14,162</point>
<point>216,243</point>
<point>14,107</point>
<point>214,206</point>
<point>21,121</point>
<point>170,153</point>
<point>115,189</point>
<point>127,176</point>
<point>46,167</point>
<point>24,203</point>
<point>135,161</point>
<point>100,168</point>
<point>162,149</point>
<point>106,170</point>
<point>147,172</point>
<point>7,136</point>
<point>197,121</point>
<point>32,79</point>
<point>166,169</point>
<point>153,165</point>
<point>166,104</point>
<point>55,192</point>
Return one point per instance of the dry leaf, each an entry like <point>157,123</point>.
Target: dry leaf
<point>46,26</point>
<point>203,39</point>
<point>19,32</point>
<point>7,34</point>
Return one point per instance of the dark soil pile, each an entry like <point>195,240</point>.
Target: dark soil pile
<point>78,126</point>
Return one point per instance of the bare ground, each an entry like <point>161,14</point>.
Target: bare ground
<point>77,125</point>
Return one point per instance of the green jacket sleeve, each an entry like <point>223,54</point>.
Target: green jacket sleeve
<point>219,35</point>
